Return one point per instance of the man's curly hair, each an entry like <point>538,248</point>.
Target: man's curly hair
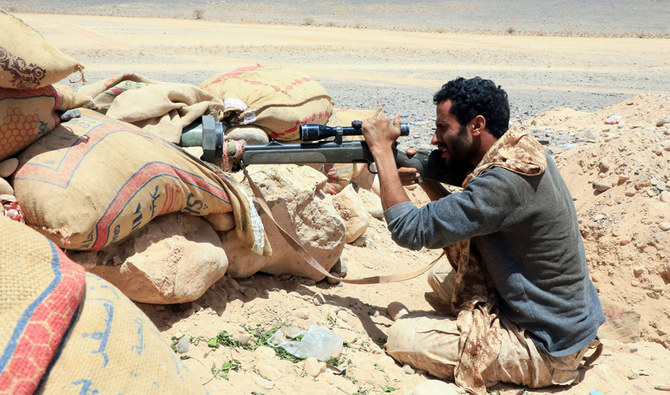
<point>476,96</point>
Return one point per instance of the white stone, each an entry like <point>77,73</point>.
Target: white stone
<point>265,352</point>
<point>313,367</point>
<point>269,371</point>
<point>264,383</point>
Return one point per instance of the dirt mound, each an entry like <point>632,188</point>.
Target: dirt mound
<point>620,183</point>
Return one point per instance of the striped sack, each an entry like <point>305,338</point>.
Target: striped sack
<point>275,98</point>
<point>93,180</point>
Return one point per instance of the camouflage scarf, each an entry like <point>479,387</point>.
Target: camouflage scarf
<point>474,296</point>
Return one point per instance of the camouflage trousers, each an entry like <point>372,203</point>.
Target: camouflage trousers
<point>430,342</point>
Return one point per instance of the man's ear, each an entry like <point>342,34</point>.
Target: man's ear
<point>478,124</point>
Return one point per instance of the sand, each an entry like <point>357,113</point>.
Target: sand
<point>565,84</point>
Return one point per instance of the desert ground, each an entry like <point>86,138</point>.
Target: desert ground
<point>564,86</point>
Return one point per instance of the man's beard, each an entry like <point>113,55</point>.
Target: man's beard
<point>462,149</point>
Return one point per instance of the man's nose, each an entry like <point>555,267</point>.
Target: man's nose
<point>433,140</point>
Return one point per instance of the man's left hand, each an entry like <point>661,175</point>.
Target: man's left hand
<point>381,133</point>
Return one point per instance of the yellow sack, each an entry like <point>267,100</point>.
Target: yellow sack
<point>93,180</point>
<point>25,116</point>
<point>113,348</point>
<point>275,98</point>
<point>27,61</point>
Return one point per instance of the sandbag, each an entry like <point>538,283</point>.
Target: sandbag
<point>25,116</point>
<point>27,61</point>
<point>102,93</point>
<point>113,348</point>
<point>275,98</point>
<point>63,331</point>
<point>40,291</point>
<point>93,180</point>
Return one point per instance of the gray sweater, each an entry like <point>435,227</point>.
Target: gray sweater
<point>527,233</point>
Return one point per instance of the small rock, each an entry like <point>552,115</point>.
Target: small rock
<point>303,314</point>
<point>407,369</point>
<point>8,167</point>
<point>664,226</point>
<point>347,336</point>
<point>638,271</point>
<point>250,293</point>
<point>665,197</point>
<point>603,166</point>
<point>264,383</point>
<point>625,240</point>
<point>244,338</point>
<point>265,352</point>
<point>600,187</point>
<point>269,371</point>
<point>232,283</point>
<point>318,299</point>
<point>182,345</point>
<point>662,121</point>
<point>313,367</point>
<point>343,315</point>
<point>385,362</point>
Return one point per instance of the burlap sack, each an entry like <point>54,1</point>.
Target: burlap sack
<point>25,116</point>
<point>63,331</point>
<point>102,93</point>
<point>72,99</point>
<point>27,61</point>
<point>92,181</point>
<point>113,348</point>
<point>40,291</point>
<point>275,98</point>
<point>164,108</point>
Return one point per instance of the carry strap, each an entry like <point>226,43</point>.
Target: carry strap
<point>315,264</point>
<point>598,349</point>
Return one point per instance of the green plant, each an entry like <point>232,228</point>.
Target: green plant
<point>260,337</point>
<point>226,367</point>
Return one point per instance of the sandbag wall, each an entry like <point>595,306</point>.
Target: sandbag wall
<point>28,100</point>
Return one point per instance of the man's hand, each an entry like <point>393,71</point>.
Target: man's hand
<point>380,133</point>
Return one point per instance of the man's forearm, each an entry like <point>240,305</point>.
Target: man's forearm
<point>391,189</point>
<point>433,189</point>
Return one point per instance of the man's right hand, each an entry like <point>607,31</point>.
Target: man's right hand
<point>408,175</point>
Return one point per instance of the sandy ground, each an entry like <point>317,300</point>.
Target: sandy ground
<point>629,252</point>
